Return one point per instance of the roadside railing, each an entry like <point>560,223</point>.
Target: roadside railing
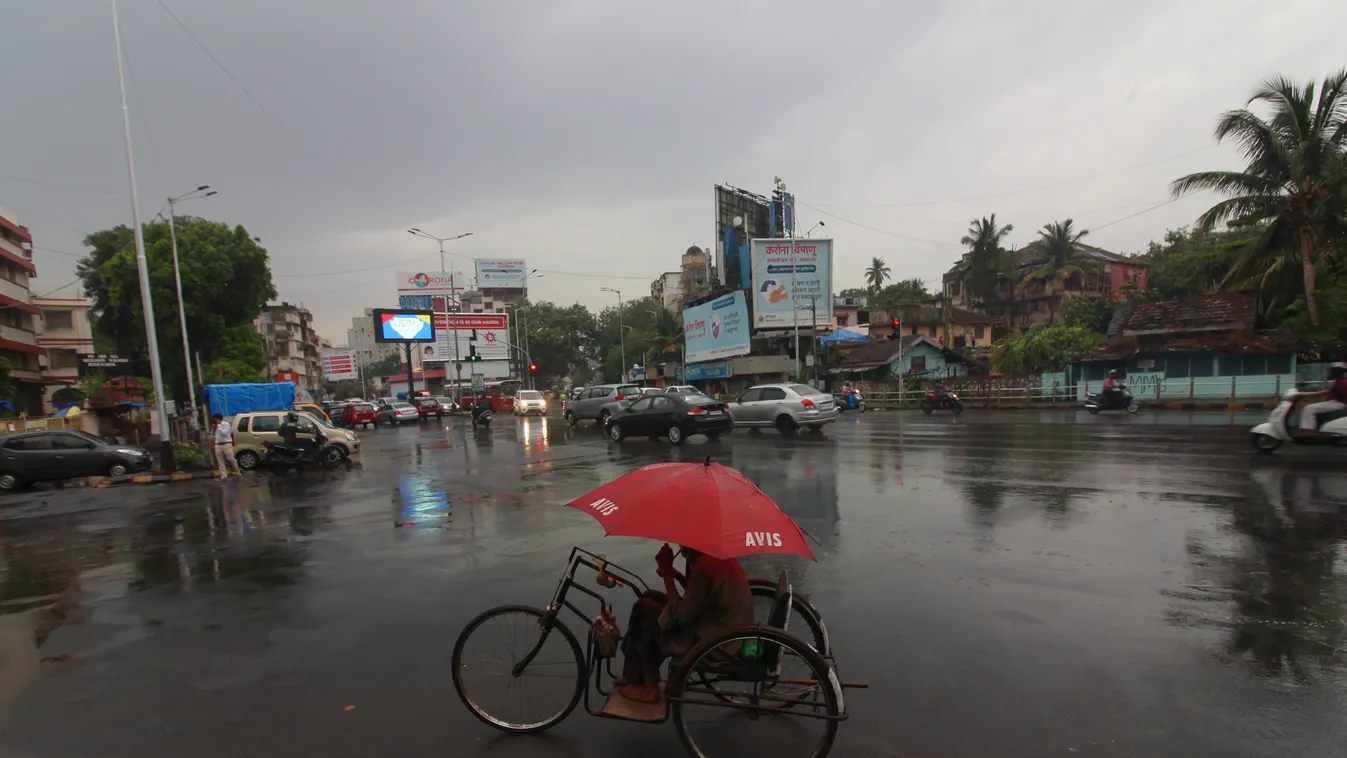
<point>1150,389</point>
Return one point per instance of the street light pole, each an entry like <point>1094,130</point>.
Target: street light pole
<point>177,283</point>
<point>447,294</point>
<point>142,268</point>
<point>794,263</point>
<point>621,335</point>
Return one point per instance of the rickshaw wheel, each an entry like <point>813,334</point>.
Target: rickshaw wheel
<point>801,613</point>
<point>790,710</point>
<point>483,668</point>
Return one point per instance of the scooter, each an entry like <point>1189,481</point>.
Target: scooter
<point>852,401</point>
<point>1270,434</point>
<point>940,399</point>
<point>280,457</point>
<point>1098,401</point>
<point>481,415</point>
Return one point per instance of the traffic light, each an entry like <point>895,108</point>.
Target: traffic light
<point>533,367</point>
<point>897,330</point>
<point>472,353</point>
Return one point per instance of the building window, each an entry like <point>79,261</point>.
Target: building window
<point>59,319</point>
<point>60,359</point>
<point>918,363</point>
<point>843,320</point>
<point>979,332</point>
<point>930,331</point>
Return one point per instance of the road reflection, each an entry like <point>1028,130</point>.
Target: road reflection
<point>1276,573</point>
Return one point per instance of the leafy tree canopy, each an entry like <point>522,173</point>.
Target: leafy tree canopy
<point>905,292</point>
<point>226,281</point>
<point>1044,349</point>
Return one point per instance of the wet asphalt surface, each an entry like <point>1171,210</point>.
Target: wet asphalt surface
<point>1009,583</point>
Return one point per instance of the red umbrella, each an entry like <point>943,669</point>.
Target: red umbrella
<point>705,506</point>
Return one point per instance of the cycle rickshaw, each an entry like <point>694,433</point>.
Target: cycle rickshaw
<point>772,686</point>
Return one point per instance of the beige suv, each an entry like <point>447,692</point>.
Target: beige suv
<point>256,427</point>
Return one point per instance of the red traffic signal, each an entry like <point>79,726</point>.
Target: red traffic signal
<point>896,323</point>
<point>533,367</point>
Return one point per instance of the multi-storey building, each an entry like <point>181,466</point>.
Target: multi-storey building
<point>64,331</point>
<point>292,346</point>
<point>668,290</point>
<point>18,336</point>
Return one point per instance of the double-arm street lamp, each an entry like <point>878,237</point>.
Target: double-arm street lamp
<point>621,334</point>
<point>196,194</point>
<point>447,294</point>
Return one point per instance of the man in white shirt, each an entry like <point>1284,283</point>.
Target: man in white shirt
<point>224,447</point>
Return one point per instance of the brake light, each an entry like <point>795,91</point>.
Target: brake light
<point>806,402</point>
<point>621,397</point>
<point>697,411</point>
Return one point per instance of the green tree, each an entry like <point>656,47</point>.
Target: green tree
<point>987,260</point>
<point>877,274</point>
<point>1092,313</point>
<point>1061,259</point>
<point>6,384</point>
<point>226,281</point>
<point>1191,262</point>
<point>667,339</point>
<point>906,292</point>
<point>639,316</point>
<point>1043,349</point>
<point>560,339</point>
<point>854,292</point>
<point>1294,182</point>
<point>389,364</point>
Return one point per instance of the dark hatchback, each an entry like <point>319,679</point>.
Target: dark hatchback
<point>672,416</point>
<point>55,455</point>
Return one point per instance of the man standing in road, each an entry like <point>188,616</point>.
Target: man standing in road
<point>224,447</point>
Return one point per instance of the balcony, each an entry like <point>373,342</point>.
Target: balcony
<point>13,290</point>
<point>15,334</point>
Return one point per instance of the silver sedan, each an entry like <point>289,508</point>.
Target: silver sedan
<point>786,407</point>
<point>397,413</point>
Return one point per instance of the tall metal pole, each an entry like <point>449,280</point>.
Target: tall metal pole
<point>794,263</point>
<point>182,309</point>
<point>152,341</point>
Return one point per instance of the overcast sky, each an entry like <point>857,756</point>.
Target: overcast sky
<point>586,135</point>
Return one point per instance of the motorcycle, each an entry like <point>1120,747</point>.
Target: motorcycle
<point>852,401</point>
<point>481,415</point>
<point>939,399</point>
<point>280,457</point>
<point>1270,434</point>
<point>1122,400</point>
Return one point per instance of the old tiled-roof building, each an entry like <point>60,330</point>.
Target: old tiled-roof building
<point>1207,345</point>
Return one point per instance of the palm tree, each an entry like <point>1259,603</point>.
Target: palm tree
<point>986,260</point>
<point>1293,186</point>
<point>668,332</point>
<point>1061,258</point>
<point>876,274</point>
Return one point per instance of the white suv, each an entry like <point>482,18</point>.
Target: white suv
<point>529,401</point>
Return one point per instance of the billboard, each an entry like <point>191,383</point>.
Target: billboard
<point>426,282</point>
<point>339,366</point>
<point>501,274</point>
<point>791,287</point>
<point>753,213</point>
<point>717,329</point>
<point>453,335</point>
<point>397,325</point>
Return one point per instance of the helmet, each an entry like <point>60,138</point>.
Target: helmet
<point>1337,370</point>
<point>292,417</point>
<point>1113,373</point>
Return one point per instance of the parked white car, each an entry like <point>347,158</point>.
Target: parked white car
<point>785,407</point>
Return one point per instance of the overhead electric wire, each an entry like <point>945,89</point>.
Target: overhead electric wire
<point>921,203</point>
<point>899,235</point>
<point>349,185</point>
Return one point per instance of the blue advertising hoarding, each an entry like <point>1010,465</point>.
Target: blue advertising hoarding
<point>791,287</point>
<point>717,329</point>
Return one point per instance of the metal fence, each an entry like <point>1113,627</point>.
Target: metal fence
<point>1024,392</point>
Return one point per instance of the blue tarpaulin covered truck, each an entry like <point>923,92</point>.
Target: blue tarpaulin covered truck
<point>233,399</point>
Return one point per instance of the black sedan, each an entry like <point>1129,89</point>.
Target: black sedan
<point>673,416</point>
<point>55,455</point>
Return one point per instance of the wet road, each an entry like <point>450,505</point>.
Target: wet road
<point>1011,584</point>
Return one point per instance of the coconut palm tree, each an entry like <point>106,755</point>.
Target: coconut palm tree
<point>1294,184</point>
<point>876,274</point>
<point>667,333</point>
<point>1061,258</point>
<point>986,260</point>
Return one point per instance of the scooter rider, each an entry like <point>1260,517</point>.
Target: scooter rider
<point>1112,393</point>
<point>480,405</point>
<point>289,432</point>
<point>1337,399</point>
